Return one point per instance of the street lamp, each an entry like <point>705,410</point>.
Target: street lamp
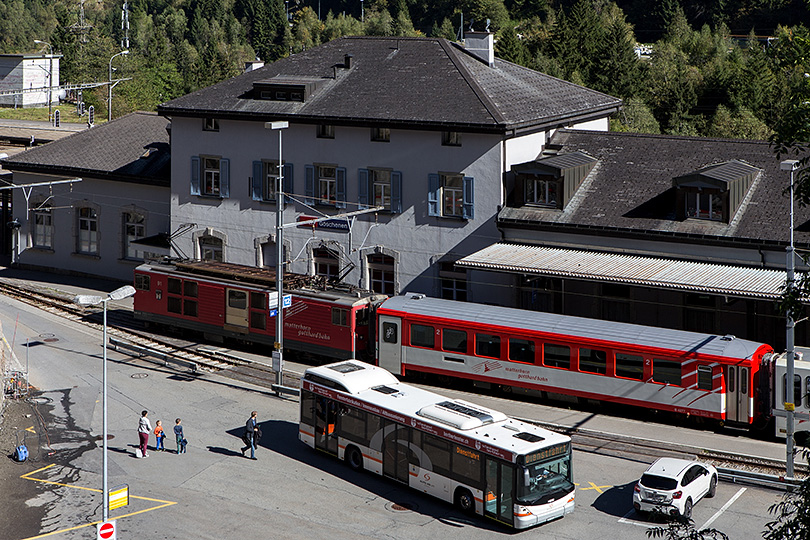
<point>790,165</point>
<point>92,300</point>
<point>110,86</point>
<point>362,13</point>
<point>50,74</point>
<point>279,344</point>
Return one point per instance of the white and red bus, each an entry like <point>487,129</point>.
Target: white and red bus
<point>479,459</point>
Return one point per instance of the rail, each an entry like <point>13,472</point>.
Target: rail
<point>146,352</point>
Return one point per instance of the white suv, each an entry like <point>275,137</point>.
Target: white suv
<point>673,486</point>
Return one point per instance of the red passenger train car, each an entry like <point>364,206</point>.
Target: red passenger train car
<point>223,300</point>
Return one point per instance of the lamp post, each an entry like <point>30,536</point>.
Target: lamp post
<point>362,13</point>
<point>110,86</point>
<point>790,264</point>
<point>279,344</point>
<point>92,300</point>
<point>50,74</point>
<point>287,9</point>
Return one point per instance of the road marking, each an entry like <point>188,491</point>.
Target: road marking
<point>624,519</point>
<point>725,507</point>
<point>594,486</point>
<point>31,429</point>
<point>27,476</point>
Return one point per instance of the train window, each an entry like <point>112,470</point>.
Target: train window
<point>237,299</point>
<point>422,336</point>
<point>704,377</point>
<point>141,282</point>
<point>732,380</point>
<point>190,308</point>
<point>744,385</point>
<point>361,317</point>
<point>593,361</point>
<point>629,366</point>
<point>190,288</point>
<point>174,304</point>
<point>390,332</point>
<point>258,319</point>
<point>258,300</point>
<point>807,393</point>
<point>666,371</point>
<point>797,388</point>
<point>175,286</point>
<point>340,317</point>
<point>558,356</point>
<point>521,350</point>
<point>488,345</point>
<point>454,340</point>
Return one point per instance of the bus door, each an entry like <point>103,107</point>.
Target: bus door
<point>236,309</point>
<point>389,336</point>
<point>737,394</point>
<point>396,444</point>
<point>326,413</point>
<point>498,501</point>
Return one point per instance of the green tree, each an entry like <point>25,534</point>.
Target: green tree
<point>342,25</point>
<point>792,516</point>
<point>618,71</point>
<point>511,48</point>
<point>476,12</point>
<point>738,124</point>
<point>445,31</point>
<point>379,23</point>
<point>635,117</point>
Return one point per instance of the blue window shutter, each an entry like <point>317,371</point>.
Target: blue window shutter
<point>195,175</point>
<point>396,192</point>
<point>288,181</point>
<point>224,178</point>
<point>362,188</point>
<point>310,185</point>
<point>433,195</point>
<point>340,192</point>
<point>468,199</point>
<point>256,183</point>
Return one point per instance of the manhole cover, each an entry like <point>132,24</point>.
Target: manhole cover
<point>139,375</point>
<point>50,339</point>
<point>46,335</point>
<point>109,437</point>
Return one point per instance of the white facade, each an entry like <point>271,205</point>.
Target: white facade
<point>30,76</point>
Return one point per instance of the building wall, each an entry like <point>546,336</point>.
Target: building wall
<point>110,199</point>
<point>26,72</point>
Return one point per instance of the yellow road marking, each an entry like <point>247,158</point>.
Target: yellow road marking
<point>594,486</point>
<point>31,429</point>
<point>27,476</point>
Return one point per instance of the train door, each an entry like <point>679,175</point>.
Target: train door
<point>737,394</point>
<point>326,412</point>
<point>389,348</point>
<point>396,448</point>
<point>498,501</point>
<point>236,308</point>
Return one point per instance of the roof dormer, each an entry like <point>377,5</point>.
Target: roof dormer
<point>286,88</point>
<point>715,192</point>
<point>551,181</point>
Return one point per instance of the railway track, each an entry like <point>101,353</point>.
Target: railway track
<point>123,329</point>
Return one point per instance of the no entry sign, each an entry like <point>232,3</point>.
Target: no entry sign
<point>106,530</point>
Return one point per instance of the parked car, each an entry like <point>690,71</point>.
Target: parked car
<point>673,486</point>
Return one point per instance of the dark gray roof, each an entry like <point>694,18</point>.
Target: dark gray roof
<point>630,190</point>
<point>429,82</point>
<point>133,148</point>
<point>554,163</point>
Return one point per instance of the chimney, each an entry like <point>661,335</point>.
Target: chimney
<point>481,45</point>
<point>347,61</point>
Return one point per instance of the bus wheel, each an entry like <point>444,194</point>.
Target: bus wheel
<point>354,458</point>
<point>465,501</point>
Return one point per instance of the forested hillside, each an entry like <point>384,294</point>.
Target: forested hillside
<point>711,69</point>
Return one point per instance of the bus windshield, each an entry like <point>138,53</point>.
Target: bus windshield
<point>543,482</point>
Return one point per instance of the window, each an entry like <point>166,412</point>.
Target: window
<point>210,176</point>
<point>466,464</point>
<point>43,227</point>
<point>521,350</point>
<point>450,195</point>
<point>134,229</point>
<point>326,184</point>
<point>558,356</point>
<point>326,262</point>
<point>210,249</point>
<point>422,336</point>
<point>88,231</point>
<point>593,361</point>
<point>704,204</point>
<point>666,372</point>
<point>380,187</point>
<point>488,345</point>
<point>629,366</point>
<point>258,310</point>
<point>542,191</point>
<point>340,317</point>
<point>454,340</point>
<point>381,273</point>
<point>380,134</point>
<point>704,377</point>
<point>451,138</point>
<point>265,180</point>
<point>182,297</point>
<point>797,388</point>
<point>210,124</point>
<point>390,332</point>
<point>453,282</point>
<point>326,131</point>
<point>141,282</point>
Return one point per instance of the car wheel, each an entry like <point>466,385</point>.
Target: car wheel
<point>354,458</point>
<point>687,509</point>
<point>712,487</point>
<point>465,501</point>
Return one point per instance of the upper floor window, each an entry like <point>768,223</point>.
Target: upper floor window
<point>265,180</point>
<point>380,187</point>
<point>451,138</point>
<point>326,184</point>
<point>380,134</point>
<point>326,262</point>
<point>43,227</point>
<point>210,176</point>
<point>210,249</point>
<point>704,204</point>
<point>88,231</point>
<point>326,131</point>
<point>210,124</point>
<point>134,229</point>
<point>542,191</point>
<point>450,195</point>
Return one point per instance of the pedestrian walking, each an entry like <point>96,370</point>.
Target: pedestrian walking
<point>159,436</point>
<point>179,437</point>
<point>144,429</point>
<point>252,435</point>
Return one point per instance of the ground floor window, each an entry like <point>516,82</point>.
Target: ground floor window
<point>381,274</point>
<point>210,249</point>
